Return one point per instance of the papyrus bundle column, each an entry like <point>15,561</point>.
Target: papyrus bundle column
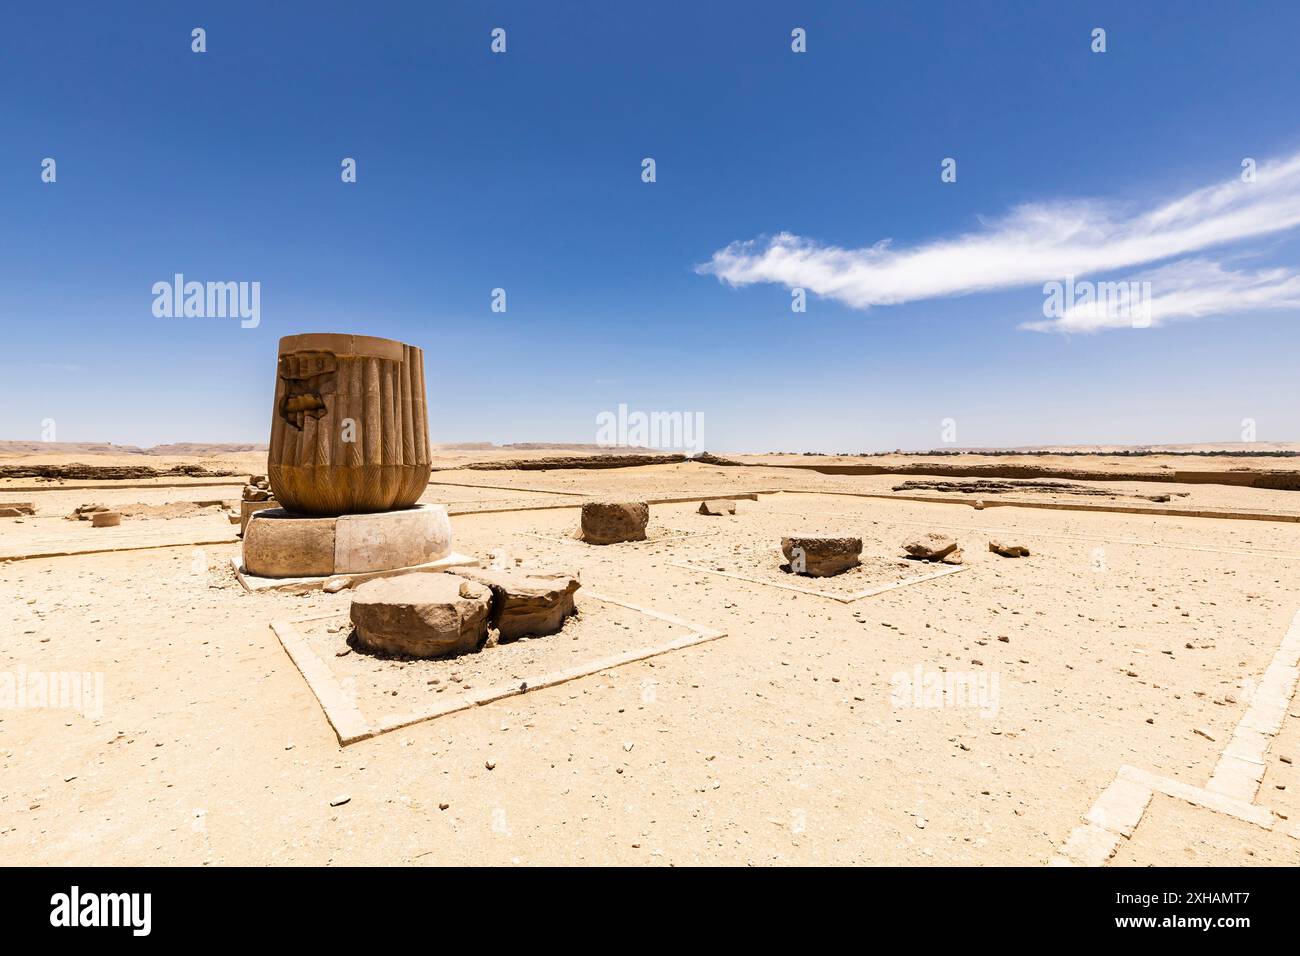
<point>350,429</point>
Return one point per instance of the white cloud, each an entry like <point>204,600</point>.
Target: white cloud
<point>1039,242</point>
<point>1186,289</point>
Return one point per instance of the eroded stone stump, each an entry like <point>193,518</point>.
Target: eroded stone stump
<point>819,557</point>
<point>349,432</point>
<point>421,615</point>
<point>526,602</point>
<point>609,522</point>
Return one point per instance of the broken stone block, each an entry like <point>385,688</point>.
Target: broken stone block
<point>16,509</point>
<point>821,557</point>
<point>85,511</point>
<point>609,522</point>
<point>249,507</point>
<point>421,614</point>
<point>105,519</point>
<point>1008,550</point>
<point>718,506</point>
<point>526,602</point>
<point>931,547</point>
<point>952,557</point>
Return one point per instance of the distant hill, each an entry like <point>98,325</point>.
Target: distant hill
<point>1186,448</point>
<point>175,449</point>
<point>579,446</point>
<point>190,449</point>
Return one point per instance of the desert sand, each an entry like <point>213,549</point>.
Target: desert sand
<point>1113,683</point>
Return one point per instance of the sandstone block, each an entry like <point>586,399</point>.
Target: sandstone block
<point>526,602</point>
<point>821,557</point>
<point>278,544</point>
<point>609,522</point>
<point>248,507</point>
<point>421,615</point>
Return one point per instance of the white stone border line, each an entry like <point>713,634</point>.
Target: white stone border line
<point>563,538</point>
<point>1100,539</point>
<point>1241,768</point>
<point>1233,785</point>
<point>842,598</point>
<point>351,726</point>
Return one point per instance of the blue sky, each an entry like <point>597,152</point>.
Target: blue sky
<point>523,171</point>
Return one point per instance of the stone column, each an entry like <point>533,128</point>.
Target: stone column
<point>350,430</point>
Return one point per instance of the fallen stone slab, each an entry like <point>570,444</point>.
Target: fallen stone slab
<point>84,512</point>
<point>526,602</point>
<point>105,519</point>
<point>16,509</point>
<point>1008,550</point>
<point>421,615</point>
<point>611,522</point>
<point>931,547</point>
<point>819,557</point>
<point>718,506</point>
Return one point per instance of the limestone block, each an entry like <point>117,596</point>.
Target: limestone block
<point>248,508</point>
<point>526,602</point>
<point>820,557</point>
<point>280,545</point>
<point>391,539</point>
<point>421,615</point>
<point>609,522</point>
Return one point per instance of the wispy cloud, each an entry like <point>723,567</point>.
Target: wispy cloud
<point>1186,289</point>
<point>1040,242</point>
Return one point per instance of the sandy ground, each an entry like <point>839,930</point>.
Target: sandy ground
<point>802,736</point>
